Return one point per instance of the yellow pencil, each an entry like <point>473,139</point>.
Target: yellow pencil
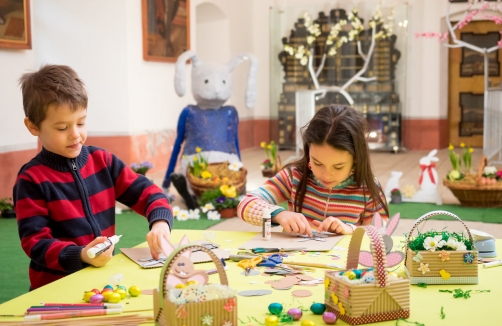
<point>300,263</point>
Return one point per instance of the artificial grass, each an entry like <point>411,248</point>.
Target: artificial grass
<point>416,210</point>
<point>14,267</point>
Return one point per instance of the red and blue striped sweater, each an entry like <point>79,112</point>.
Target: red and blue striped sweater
<point>62,204</point>
<point>346,201</point>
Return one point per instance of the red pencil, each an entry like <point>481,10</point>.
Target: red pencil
<point>64,315</point>
<point>109,305</point>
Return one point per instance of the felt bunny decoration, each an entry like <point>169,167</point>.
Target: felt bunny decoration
<point>428,179</point>
<point>393,257</point>
<point>183,269</point>
<point>208,125</point>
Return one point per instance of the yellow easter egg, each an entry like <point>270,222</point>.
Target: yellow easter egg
<point>88,295</point>
<point>121,292</point>
<point>350,274</point>
<point>271,321</point>
<point>192,282</point>
<point>114,298</point>
<point>180,286</point>
<point>106,295</point>
<point>308,323</point>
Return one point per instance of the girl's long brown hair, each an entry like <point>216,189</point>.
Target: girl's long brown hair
<point>342,128</point>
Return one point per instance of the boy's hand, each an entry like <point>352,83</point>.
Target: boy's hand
<point>293,222</point>
<point>99,260</point>
<point>160,229</point>
<point>333,225</point>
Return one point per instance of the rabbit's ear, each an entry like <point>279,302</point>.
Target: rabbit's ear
<point>377,221</point>
<point>435,159</point>
<point>167,248</point>
<point>433,153</point>
<point>253,70</point>
<point>365,258</point>
<point>185,241</point>
<point>392,224</point>
<point>394,258</point>
<point>179,73</point>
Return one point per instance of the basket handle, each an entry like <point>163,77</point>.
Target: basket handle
<point>377,250</point>
<point>278,163</point>
<point>431,214</point>
<point>174,256</point>
<point>481,167</point>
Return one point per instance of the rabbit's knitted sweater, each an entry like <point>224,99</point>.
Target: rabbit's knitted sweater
<point>345,201</point>
<point>62,204</point>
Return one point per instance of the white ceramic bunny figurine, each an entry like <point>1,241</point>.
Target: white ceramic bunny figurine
<point>183,269</point>
<point>392,257</point>
<point>428,179</point>
<point>208,125</point>
<point>393,182</point>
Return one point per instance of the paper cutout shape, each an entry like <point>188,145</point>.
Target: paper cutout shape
<point>253,293</point>
<point>393,258</point>
<point>285,240</point>
<point>138,254</point>
<point>301,293</point>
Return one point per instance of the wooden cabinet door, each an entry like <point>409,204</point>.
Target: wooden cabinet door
<point>466,82</point>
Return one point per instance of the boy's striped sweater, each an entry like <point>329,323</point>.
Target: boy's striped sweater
<point>345,201</point>
<point>62,204</point>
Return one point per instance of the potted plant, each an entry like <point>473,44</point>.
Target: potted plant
<point>7,208</point>
<point>271,165</point>
<point>141,168</point>
<point>395,195</point>
<point>223,199</point>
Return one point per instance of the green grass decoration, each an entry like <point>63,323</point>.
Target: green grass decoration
<point>417,243</point>
<point>442,313</point>
<point>459,293</point>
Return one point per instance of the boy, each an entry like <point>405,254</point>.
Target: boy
<point>65,197</point>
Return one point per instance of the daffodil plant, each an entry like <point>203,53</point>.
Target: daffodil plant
<point>458,160</point>
<point>223,197</point>
<point>199,164</point>
<point>270,151</point>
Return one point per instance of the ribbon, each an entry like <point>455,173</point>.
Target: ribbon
<point>429,168</point>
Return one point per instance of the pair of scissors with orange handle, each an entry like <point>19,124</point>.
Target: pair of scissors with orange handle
<point>248,264</point>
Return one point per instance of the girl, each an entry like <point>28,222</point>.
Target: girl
<point>331,188</point>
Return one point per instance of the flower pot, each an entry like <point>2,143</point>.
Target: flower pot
<point>396,199</point>
<point>228,212</point>
<point>269,173</point>
<point>8,213</point>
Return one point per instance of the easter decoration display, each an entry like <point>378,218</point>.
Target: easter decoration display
<point>441,257</point>
<point>193,303</point>
<point>362,296</point>
<point>209,125</point>
<point>272,164</point>
<point>483,189</point>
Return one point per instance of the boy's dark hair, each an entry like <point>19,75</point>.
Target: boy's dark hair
<point>51,84</point>
<point>342,128</point>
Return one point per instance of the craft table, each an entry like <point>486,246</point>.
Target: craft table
<point>426,303</point>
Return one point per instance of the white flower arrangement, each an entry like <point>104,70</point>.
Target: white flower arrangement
<point>235,166</point>
<point>213,215</point>
<point>432,244</point>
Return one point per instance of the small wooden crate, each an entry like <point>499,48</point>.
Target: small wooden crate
<point>460,272</point>
<point>167,313</point>
<point>367,302</point>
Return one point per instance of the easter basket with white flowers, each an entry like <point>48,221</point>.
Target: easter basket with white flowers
<point>214,175</point>
<point>441,257</point>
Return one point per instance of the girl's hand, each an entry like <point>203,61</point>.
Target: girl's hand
<point>333,225</point>
<point>293,222</point>
<point>160,229</point>
<point>101,259</point>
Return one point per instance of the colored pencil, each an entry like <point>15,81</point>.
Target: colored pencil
<point>109,305</point>
<point>64,315</point>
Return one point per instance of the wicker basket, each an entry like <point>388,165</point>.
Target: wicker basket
<point>364,303</point>
<point>269,173</point>
<point>459,271</point>
<point>199,186</point>
<point>474,194</point>
<point>167,313</point>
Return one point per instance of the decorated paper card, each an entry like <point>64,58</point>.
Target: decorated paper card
<point>324,242</point>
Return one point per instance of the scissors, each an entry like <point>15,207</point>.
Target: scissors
<point>270,250</point>
<point>271,261</point>
<point>247,264</point>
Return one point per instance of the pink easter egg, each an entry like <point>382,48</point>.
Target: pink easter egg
<point>329,318</point>
<point>296,313</point>
<point>97,298</point>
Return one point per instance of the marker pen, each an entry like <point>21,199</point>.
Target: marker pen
<point>493,264</point>
<point>64,315</point>
<point>267,225</point>
<point>103,246</point>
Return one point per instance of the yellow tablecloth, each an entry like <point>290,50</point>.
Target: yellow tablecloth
<point>426,303</point>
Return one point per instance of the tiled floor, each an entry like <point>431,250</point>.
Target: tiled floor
<point>382,164</point>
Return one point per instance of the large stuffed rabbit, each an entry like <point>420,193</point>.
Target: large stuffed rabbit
<point>208,125</point>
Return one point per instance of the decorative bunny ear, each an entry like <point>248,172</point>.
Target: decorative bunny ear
<point>253,70</point>
<point>365,258</point>
<point>377,221</point>
<point>393,258</point>
<point>392,225</point>
<point>433,153</point>
<point>179,74</point>
<point>185,241</point>
<point>166,247</point>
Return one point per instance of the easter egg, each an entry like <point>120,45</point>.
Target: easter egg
<point>108,287</point>
<point>121,292</point>
<point>88,295</point>
<point>114,298</point>
<point>358,273</point>
<point>295,313</point>
<point>271,321</point>
<point>275,308</point>
<point>329,318</point>
<point>121,287</point>
<point>97,298</point>
<point>307,323</point>
<point>350,274</point>
<point>96,291</point>
<point>192,282</point>
<point>180,286</point>
<point>318,308</point>
<point>106,295</point>
<point>134,291</point>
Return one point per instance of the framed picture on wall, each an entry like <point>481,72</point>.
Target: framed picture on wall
<point>166,29</point>
<point>15,27</point>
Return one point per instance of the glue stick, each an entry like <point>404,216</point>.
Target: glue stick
<point>267,224</point>
<point>103,246</point>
